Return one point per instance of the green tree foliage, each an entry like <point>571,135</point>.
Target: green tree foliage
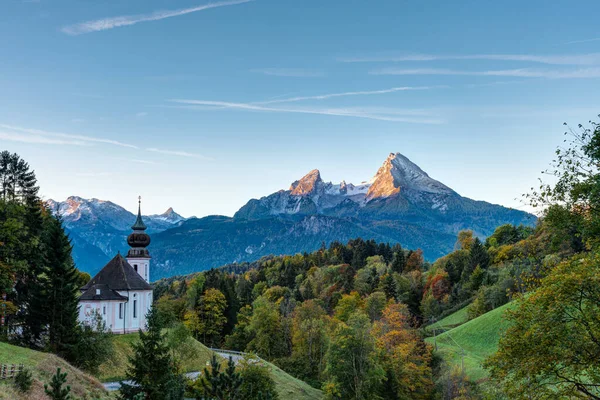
<point>508,234</point>
<point>374,305</point>
<point>55,390</point>
<point>310,340</point>
<point>266,329</point>
<point>399,261</point>
<point>220,385</point>
<point>353,370</point>
<point>572,204</point>
<point>257,382</point>
<point>94,345</point>
<point>151,366</point>
<point>59,287</point>
<point>24,380</point>
<point>240,337</point>
<point>206,321</point>
<point>551,350</point>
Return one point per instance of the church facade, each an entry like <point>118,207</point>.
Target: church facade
<point>121,291</point>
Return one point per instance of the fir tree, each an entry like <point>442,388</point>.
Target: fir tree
<point>399,261</point>
<point>151,367</point>
<point>219,385</point>
<point>390,287</point>
<point>56,390</point>
<point>60,286</point>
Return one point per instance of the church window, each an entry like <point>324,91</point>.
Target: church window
<point>104,310</point>
<point>120,310</point>
<point>135,267</point>
<point>135,309</point>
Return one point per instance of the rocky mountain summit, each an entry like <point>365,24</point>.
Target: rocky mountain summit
<point>401,204</point>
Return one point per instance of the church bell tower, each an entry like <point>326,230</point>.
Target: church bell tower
<point>138,256</point>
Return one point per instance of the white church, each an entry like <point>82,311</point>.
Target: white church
<point>121,291</point>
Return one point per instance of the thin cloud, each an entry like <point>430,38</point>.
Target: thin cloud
<point>82,138</point>
<point>344,94</point>
<point>584,41</point>
<point>342,112</point>
<point>290,72</point>
<point>92,174</point>
<point>141,114</point>
<point>142,161</point>
<point>126,20</point>
<point>567,59</point>
<point>177,153</point>
<point>522,72</point>
<point>33,139</point>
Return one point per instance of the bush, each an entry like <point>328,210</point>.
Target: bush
<point>23,380</point>
<point>257,382</point>
<point>94,347</point>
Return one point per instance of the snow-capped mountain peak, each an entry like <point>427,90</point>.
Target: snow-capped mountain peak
<point>168,216</point>
<point>398,173</point>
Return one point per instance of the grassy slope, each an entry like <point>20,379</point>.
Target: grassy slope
<point>288,387</point>
<point>479,339</point>
<point>451,321</point>
<point>114,369</point>
<point>43,366</point>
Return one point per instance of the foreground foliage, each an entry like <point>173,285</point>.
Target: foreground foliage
<point>551,350</point>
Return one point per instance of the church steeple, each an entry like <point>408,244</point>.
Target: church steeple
<point>138,255</point>
<point>139,222</point>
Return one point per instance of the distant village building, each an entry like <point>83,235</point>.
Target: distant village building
<point>121,292</point>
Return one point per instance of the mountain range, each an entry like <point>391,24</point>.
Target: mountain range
<point>401,204</point>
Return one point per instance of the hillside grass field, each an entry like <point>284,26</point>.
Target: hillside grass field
<point>288,387</point>
<point>478,338</point>
<point>42,367</point>
<point>451,321</point>
<point>114,369</point>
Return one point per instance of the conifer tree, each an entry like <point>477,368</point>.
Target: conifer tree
<point>390,287</point>
<point>219,385</point>
<point>60,288</point>
<point>56,390</point>
<point>151,367</point>
<point>399,262</point>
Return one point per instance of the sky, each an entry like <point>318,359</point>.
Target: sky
<point>201,105</point>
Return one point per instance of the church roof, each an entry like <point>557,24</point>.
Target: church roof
<point>118,274</point>
<point>101,292</point>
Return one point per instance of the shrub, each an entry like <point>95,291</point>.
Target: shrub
<point>23,380</point>
<point>257,382</point>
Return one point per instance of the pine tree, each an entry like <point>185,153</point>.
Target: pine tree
<point>221,385</point>
<point>56,391</point>
<point>60,286</point>
<point>390,287</point>
<point>399,261</point>
<point>151,367</point>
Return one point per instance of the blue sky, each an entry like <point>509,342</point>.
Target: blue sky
<point>202,106</point>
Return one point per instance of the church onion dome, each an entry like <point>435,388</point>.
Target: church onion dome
<point>138,239</point>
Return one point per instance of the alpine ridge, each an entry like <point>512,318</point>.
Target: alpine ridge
<point>400,204</point>
<point>99,228</point>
